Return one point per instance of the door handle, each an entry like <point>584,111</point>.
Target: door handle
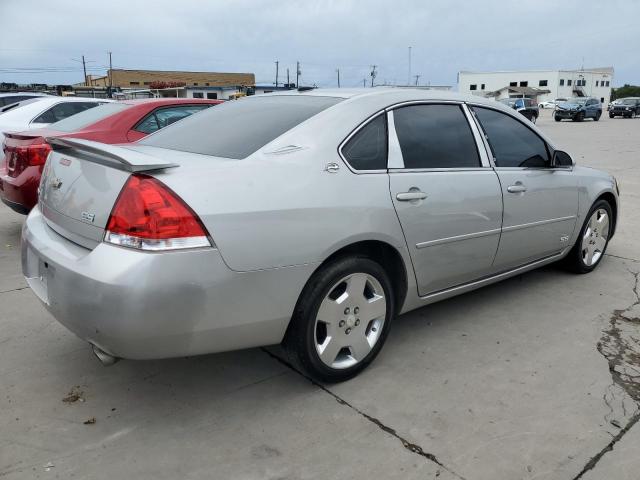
<point>517,188</point>
<point>409,196</point>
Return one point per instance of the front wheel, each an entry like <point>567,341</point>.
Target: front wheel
<point>556,118</point>
<point>597,117</point>
<point>611,115</point>
<point>592,242</point>
<point>341,320</point>
<point>533,119</point>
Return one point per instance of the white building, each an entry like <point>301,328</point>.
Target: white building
<point>590,82</point>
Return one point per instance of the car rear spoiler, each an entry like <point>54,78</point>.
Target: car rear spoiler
<point>119,157</point>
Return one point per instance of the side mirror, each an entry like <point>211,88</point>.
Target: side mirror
<point>561,159</point>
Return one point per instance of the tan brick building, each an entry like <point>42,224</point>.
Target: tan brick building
<point>144,78</point>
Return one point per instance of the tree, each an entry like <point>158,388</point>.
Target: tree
<point>625,91</point>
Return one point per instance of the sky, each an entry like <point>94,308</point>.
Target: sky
<point>43,41</point>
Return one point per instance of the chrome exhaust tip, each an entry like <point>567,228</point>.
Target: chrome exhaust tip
<point>106,359</point>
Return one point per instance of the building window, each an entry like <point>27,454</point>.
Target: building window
<point>596,83</point>
<point>562,82</point>
<point>473,87</point>
<point>542,83</point>
<point>569,82</point>
<point>212,95</point>
<point>482,87</point>
<point>207,84</point>
<point>601,99</point>
<point>198,95</point>
<point>607,83</point>
<point>513,84</point>
<point>134,83</point>
<point>524,84</point>
<point>195,84</point>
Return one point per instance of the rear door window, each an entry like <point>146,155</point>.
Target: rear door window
<point>435,136</point>
<point>62,110</point>
<point>512,143</point>
<point>162,117</point>
<point>238,128</point>
<point>367,149</point>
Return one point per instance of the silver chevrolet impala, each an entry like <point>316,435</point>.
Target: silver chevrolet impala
<point>310,219</point>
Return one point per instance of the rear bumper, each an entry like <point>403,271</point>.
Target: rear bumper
<point>21,192</point>
<point>141,305</point>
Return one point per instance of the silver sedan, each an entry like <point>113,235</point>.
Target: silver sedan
<point>309,218</point>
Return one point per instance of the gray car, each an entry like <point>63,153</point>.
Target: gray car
<point>308,218</point>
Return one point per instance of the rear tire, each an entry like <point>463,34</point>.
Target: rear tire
<point>341,320</point>
<point>579,117</point>
<point>593,240</point>
<point>612,115</point>
<point>597,117</point>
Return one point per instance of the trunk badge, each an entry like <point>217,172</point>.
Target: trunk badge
<point>65,161</point>
<point>55,183</point>
<point>88,217</point>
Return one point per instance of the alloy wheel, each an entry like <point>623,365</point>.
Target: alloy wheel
<point>594,239</point>
<point>350,320</point>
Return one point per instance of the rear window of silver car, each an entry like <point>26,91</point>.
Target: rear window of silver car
<point>236,129</point>
<point>88,117</point>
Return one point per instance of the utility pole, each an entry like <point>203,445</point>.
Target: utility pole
<point>338,70</point>
<point>288,77</point>
<point>277,73</point>
<point>110,77</point>
<point>298,73</point>
<point>373,73</point>
<point>364,82</point>
<point>409,72</point>
<point>417,77</point>
<point>84,67</point>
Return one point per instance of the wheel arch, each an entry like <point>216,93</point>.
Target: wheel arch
<point>388,256</point>
<point>611,199</point>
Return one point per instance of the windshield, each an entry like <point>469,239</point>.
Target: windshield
<point>88,117</point>
<point>629,101</point>
<point>236,129</point>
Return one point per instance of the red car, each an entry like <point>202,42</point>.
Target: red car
<point>120,122</point>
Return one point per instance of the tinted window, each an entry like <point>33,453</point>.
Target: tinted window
<point>61,111</point>
<point>13,99</point>
<point>435,136</point>
<point>367,149</point>
<point>163,117</point>
<point>88,117</point>
<point>512,143</point>
<point>238,128</point>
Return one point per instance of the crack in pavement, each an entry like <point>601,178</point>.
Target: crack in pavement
<point>621,258</point>
<point>13,290</point>
<point>622,351</point>
<point>412,447</point>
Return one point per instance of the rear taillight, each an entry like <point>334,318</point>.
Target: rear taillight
<point>19,158</point>
<point>149,216</point>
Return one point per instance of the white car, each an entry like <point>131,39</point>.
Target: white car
<point>40,112</point>
<point>551,103</point>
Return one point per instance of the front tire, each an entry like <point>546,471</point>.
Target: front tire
<point>556,118</point>
<point>342,319</point>
<point>592,242</point>
<point>597,117</point>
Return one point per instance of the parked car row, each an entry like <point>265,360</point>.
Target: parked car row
<point>310,218</point>
<point>28,129</point>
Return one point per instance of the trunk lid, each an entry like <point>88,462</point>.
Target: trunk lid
<point>81,182</point>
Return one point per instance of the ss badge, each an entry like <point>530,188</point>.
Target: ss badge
<point>88,217</point>
<point>564,238</point>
